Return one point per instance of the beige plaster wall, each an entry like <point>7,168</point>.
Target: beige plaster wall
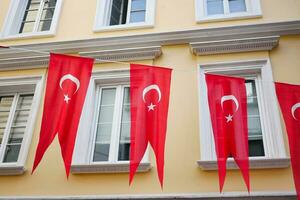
<point>77,19</point>
<point>182,146</point>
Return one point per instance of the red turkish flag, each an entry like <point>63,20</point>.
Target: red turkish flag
<point>67,83</point>
<point>149,102</point>
<point>289,101</point>
<point>228,110</point>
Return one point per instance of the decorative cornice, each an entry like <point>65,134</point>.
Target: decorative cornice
<point>257,163</point>
<point>107,168</point>
<point>23,62</point>
<point>140,53</point>
<point>235,45</point>
<point>10,58</point>
<point>15,170</point>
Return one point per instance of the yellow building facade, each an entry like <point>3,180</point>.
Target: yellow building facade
<point>255,39</point>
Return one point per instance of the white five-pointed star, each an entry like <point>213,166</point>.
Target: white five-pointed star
<point>151,107</point>
<point>66,98</point>
<point>229,118</point>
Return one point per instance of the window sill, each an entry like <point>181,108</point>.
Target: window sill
<point>255,163</point>
<point>11,170</point>
<point>28,35</point>
<point>220,18</point>
<point>107,168</point>
<point>122,27</point>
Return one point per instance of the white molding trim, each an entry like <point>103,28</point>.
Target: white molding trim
<point>141,53</point>
<point>235,45</point>
<point>14,84</point>
<point>35,35</point>
<point>84,146</point>
<point>81,156</point>
<point>255,163</point>
<point>14,18</point>
<point>108,168</point>
<point>253,10</point>
<point>12,170</point>
<point>101,22</point>
<point>10,58</point>
<point>263,195</point>
<point>272,131</point>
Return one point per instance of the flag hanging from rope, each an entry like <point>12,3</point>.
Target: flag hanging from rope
<point>228,110</point>
<point>289,100</point>
<point>149,103</point>
<point>67,83</point>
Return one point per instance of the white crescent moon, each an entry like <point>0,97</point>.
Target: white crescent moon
<point>294,108</point>
<point>152,87</point>
<point>71,78</point>
<point>230,97</point>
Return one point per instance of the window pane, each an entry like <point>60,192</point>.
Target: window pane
<point>50,4</point>
<point>138,5</point>
<point>118,12</point>
<point>101,152</point>
<point>215,7</point>
<point>106,114</point>
<point>103,133</point>
<point>5,105</point>
<point>44,25</point>
<point>18,127</point>
<point>124,143</point>
<point>137,16</point>
<point>31,15</point>
<point>11,153</point>
<point>33,4</point>
<point>22,111</point>
<point>237,6</point>
<point>16,135</point>
<point>108,97</point>
<point>256,147</point>
<point>47,13</point>
<point>25,101</point>
<point>104,127</point>
<point>27,27</point>
<point>254,127</point>
<point>1,135</point>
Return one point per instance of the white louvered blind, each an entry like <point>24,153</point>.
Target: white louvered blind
<point>14,113</point>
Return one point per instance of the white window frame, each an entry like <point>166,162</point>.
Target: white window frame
<point>85,143</point>
<point>116,124</point>
<point>103,15</point>
<point>253,8</point>
<point>274,148</point>
<point>15,16</point>
<point>22,85</point>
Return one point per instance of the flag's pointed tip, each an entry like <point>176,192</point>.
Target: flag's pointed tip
<point>248,189</point>
<point>221,189</point>
<point>161,186</point>
<point>130,179</point>
<point>33,168</point>
<point>67,167</point>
